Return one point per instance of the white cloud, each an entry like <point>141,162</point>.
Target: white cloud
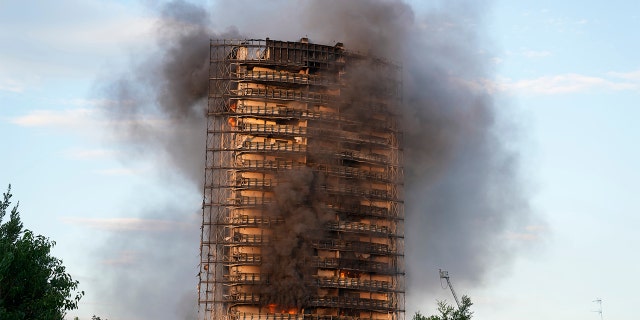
<point>11,85</point>
<point>70,38</point>
<point>533,54</point>
<point>91,119</point>
<point>632,75</point>
<point>557,84</point>
<point>82,154</point>
<point>117,172</point>
<point>124,30</point>
<point>563,83</point>
<point>88,103</point>
<point>127,224</point>
<point>71,118</point>
<point>569,83</point>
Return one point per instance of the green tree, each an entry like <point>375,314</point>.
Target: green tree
<point>33,284</point>
<point>447,312</point>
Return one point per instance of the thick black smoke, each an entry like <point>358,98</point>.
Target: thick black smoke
<point>289,256</point>
<point>462,192</point>
<point>161,100</point>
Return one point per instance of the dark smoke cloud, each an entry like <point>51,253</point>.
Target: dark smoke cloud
<point>161,100</point>
<point>159,117</point>
<point>462,191</point>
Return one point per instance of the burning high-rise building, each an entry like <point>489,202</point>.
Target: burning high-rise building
<point>303,207</point>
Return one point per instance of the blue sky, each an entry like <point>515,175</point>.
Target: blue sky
<point>567,76</point>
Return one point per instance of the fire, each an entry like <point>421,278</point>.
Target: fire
<point>273,307</point>
<point>232,122</point>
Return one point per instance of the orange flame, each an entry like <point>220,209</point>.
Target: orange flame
<point>272,309</point>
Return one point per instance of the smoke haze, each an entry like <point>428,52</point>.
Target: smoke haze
<point>462,191</point>
<point>159,117</point>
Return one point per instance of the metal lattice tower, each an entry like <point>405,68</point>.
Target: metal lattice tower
<point>307,120</point>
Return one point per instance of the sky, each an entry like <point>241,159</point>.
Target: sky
<point>566,77</point>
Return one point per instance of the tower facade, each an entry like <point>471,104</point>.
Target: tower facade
<point>303,210</point>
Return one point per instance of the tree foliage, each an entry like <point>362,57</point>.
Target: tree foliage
<point>448,312</point>
<point>33,284</point>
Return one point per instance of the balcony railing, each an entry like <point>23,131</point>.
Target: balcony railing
<point>353,303</point>
<point>322,282</point>
<point>360,192</point>
<point>297,316</point>
<point>363,210</point>
<point>364,157</point>
<point>269,164</point>
<point>356,246</point>
<point>286,77</point>
<point>356,265</point>
<point>252,128</point>
<point>330,302</point>
<point>252,221</point>
<point>268,147</point>
<point>359,227</point>
<point>352,283</point>
<point>349,172</point>
<point>284,112</point>
<point>282,94</point>
<point>248,201</point>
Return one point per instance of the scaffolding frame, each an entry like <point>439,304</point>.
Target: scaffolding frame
<point>274,107</point>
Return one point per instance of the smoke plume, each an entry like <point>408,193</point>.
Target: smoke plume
<point>160,117</point>
<point>289,255</point>
<point>462,192</point>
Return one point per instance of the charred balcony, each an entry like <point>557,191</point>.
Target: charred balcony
<point>297,316</point>
<point>330,302</point>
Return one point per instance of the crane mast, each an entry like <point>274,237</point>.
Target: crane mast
<point>445,275</point>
